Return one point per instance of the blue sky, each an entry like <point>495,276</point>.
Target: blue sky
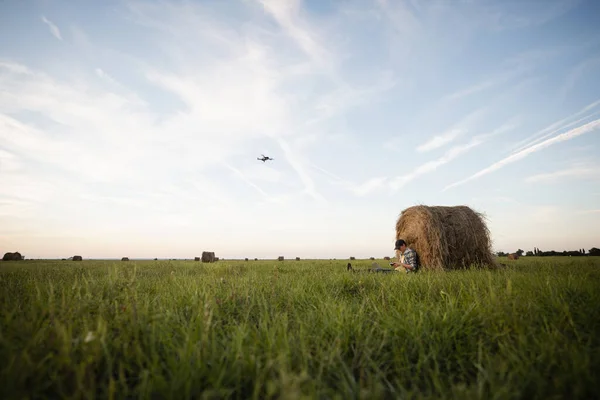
<point>131,128</point>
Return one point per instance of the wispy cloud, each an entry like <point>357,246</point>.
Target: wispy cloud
<point>243,177</point>
<point>453,153</point>
<point>440,140</point>
<point>572,134</point>
<point>287,14</point>
<point>53,28</point>
<point>368,186</point>
<point>298,165</point>
<point>590,64</point>
<point>556,127</point>
<point>358,189</point>
<point>576,172</point>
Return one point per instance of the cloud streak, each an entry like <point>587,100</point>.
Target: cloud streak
<point>556,127</point>
<point>578,172</point>
<point>453,153</point>
<point>572,134</point>
<point>439,140</point>
<point>53,28</point>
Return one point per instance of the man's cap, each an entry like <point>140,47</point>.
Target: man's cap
<point>399,243</point>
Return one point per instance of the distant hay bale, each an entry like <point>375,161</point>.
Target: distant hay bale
<point>280,258</point>
<point>125,259</point>
<point>386,258</point>
<point>208,256</point>
<point>256,259</point>
<point>297,258</point>
<point>446,237</point>
<point>77,258</point>
<point>513,256</point>
<point>246,259</point>
<point>14,256</point>
<point>352,258</point>
<point>216,258</point>
<point>371,258</point>
<point>196,258</point>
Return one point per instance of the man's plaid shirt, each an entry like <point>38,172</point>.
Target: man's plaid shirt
<point>410,258</point>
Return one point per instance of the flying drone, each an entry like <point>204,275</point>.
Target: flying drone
<point>263,158</point>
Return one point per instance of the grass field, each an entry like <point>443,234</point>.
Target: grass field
<point>298,329</point>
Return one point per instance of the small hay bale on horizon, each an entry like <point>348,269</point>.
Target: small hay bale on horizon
<point>125,259</point>
<point>386,258</point>
<point>13,256</point>
<point>513,256</point>
<point>246,259</point>
<point>208,256</point>
<point>297,258</point>
<point>77,258</point>
<point>371,258</point>
<point>446,237</point>
<point>280,258</point>
<point>196,258</point>
<point>352,258</point>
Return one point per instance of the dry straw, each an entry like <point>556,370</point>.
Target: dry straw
<point>446,237</point>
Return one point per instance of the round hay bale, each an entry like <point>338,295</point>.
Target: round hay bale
<point>352,258</point>
<point>297,258</point>
<point>256,259</point>
<point>446,237</point>
<point>280,258</point>
<point>77,258</point>
<point>513,256</point>
<point>386,258</point>
<point>16,256</point>
<point>125,259</point>
<point>371,258</point>
<point>208,256</point>
<point>196,258</point>
<point>246,259</point>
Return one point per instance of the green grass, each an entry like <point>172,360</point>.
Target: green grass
<point>307,329</point>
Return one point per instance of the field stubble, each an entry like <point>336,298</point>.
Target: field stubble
<point>298,329</point>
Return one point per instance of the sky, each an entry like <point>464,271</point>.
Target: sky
<point>132,128</point>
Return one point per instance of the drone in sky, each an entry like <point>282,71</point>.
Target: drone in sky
<point>263,158</point>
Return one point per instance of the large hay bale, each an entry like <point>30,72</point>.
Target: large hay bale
<point>446,237</point>
<point>280,258</point>
<point>77,258</point>
<point>12,256</point>
<point>208,256</point>
<point>196,258</point>
<point>513,256</point>
<point>125,259</point>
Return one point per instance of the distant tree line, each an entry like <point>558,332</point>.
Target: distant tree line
<point>539,253</point>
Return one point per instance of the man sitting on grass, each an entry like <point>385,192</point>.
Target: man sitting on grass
<point>407,258</point>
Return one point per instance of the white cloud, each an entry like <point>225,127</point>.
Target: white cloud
<point>572,134</point>
<point>555,127</point>
<point>53,28</point>
<point>368,186</point>
<point>440,140</point>
<point>577,172</point>
<point>243,177</point>
<point>448,156</point>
